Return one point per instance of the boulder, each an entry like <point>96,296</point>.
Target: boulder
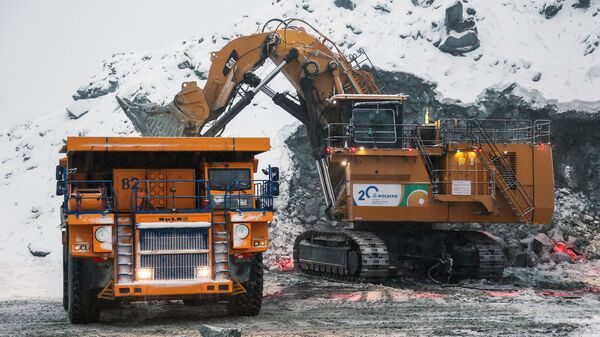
<point>537,77</point>
<point>532,259</point>
<point>213,331</point>
<point>593,250</point>
<point>525,242</point>
<point>458,44</point>
<point>37,253</point>
<point>423,3</point>
<point>541,243</point>
<point>520,260</point>
<point>347,4</point>
<point>453,15</point>
<point>556,235</point>
<point>560,257</point>
<point>551,9</point>
<point>545,258</point>
<point>78,109</point>
<point>582,4</point>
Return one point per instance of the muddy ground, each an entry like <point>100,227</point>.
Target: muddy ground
<point>296,305</point>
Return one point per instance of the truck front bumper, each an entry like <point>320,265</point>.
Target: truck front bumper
<point>173,289</point>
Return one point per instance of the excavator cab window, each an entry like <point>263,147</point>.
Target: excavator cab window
<point>374,125</point>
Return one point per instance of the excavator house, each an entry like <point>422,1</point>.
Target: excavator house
<point>394,184</point>
<point>148,218</point>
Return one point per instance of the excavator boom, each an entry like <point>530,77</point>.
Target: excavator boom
<point>299,55</point>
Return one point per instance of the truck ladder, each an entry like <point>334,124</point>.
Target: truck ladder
<point>124,250</point>
<point>493,160</point>
<point>220,241</point>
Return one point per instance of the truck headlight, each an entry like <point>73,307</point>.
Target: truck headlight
<point>103,234</point>
<point>202,273</point>
<point>241,231</point>
<point>144,274</point>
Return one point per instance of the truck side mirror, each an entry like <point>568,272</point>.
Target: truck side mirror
<point>274,186</point>
<point>60,188</point>
<point>60,173</point>
<point>274,173</point>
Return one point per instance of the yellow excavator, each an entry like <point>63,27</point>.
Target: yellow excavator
<point>392,183</point>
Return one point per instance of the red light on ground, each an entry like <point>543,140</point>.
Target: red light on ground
<point>352,150</point>
<point>410,149</point>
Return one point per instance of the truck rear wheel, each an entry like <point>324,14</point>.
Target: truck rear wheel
<point>249,303</point>
<point>82,303</point>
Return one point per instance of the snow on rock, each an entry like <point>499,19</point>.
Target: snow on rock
<point>516,43</point>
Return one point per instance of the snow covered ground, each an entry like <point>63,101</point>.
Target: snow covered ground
<point>517,43</point>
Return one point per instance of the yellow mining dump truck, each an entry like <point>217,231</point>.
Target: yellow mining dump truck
<point>163,219</point>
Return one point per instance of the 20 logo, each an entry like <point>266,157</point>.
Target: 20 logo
<point>365,193</point>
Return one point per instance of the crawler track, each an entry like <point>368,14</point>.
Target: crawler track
<point>362,255</point>
<point>353,255</point>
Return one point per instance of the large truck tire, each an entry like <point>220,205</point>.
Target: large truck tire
<point>249,303</point>
<point>83,305</point>
<point>65,277</point>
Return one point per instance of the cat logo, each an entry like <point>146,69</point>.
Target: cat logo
<point>233,57</point>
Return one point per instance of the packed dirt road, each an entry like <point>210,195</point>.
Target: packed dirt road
<point>296,305</point>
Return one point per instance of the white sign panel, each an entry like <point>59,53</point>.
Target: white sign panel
<point>387,195</point>
<point>461,187</point>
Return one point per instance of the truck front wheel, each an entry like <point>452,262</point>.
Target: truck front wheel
<point>65,277</point>
<point>82,302</point>
<point>249,303</point>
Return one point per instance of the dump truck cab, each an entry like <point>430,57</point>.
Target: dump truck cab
<point>148,218</point>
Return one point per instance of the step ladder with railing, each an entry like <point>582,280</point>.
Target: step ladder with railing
<point>423,153</point>
<point>124,249</point>
<point>363,78</point>
<point>220,240</point>
<point>505,178</point>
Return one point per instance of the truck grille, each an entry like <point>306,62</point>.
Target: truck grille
<point>174,266</point>
<point>154,239</point>
<point>173,253</point>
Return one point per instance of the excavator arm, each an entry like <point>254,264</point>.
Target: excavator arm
<point>311,63</point>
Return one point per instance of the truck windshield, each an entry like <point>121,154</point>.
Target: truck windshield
<point>235,179</point>
<point>374,125</point>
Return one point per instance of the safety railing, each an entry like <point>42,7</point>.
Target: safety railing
<point>344,135</point>
<point>481,182</point>
<point>261,199</point>
<point>185,196</point>
<point>156,196</point>
<point>500,131</point>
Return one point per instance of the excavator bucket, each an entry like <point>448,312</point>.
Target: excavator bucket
<point>184,117</point>
<point>153,120</point>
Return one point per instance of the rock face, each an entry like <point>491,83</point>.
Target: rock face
<point>461,34</point>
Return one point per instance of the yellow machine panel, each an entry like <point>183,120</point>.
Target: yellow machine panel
<point>160,189</point>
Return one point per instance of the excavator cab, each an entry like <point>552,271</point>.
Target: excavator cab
<point>368,121</point>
